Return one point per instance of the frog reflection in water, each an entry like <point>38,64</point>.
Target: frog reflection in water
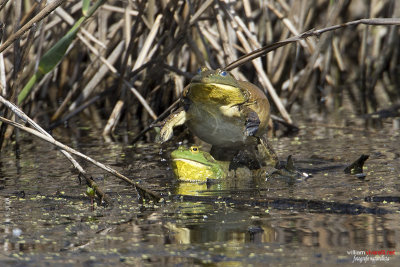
<point>230,115</point>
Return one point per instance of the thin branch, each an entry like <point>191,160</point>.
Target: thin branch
<point>25,118</point>
<point>52,141</point>
<point>266,49</point>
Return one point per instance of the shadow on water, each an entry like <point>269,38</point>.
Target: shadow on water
<point>329,218</point>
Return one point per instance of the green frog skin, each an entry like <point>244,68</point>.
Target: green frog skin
<point>193,165</point>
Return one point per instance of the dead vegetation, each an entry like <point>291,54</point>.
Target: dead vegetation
<point>130,60</point>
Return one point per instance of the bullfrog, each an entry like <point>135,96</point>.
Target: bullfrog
<point>229,114</point>
<point>195,165</point>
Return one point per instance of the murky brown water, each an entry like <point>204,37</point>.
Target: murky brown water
<point>46,217</point>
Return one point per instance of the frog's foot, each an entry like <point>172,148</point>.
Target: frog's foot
<point>266,152</point>
<point>287,170</point>
<point>356,167</point>
<point>175,119</point>
<point>244,158</point>
<point>166,133</point>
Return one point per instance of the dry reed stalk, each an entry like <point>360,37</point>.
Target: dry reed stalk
<point>3,80</point>
<point>147,44</point>
<point>120,10</point>
<point>88,89</point>
<point>70,20</point>
<point>213,33</point>
<point>200,11</point>
<point>307,44</point>
<point>142,100</point>
<point>2,4</point>
<point>230,55</point>
<point>258,66</point>
<point>42,14</point>
<point>113,120</point>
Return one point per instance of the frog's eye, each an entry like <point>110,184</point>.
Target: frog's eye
<point>194,149</point>
<point>223,73</point>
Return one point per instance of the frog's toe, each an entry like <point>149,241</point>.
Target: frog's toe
<point>175,119</point>
<point>166,133</point>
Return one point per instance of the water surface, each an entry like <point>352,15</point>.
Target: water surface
<point>329,218</point>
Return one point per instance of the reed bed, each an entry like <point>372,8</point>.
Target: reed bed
<point>122,64</point>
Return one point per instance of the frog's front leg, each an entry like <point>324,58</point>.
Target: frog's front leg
<point>177,118</point>
<point>252,120</point>
<point>256,154</point>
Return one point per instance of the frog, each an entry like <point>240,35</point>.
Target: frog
<point>229,114</point>
<point>194,165</point>
<point>197,166</point>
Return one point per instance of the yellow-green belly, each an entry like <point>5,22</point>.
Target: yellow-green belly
<point>190,171</point>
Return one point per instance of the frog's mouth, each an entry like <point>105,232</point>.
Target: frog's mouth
<point>211,86</point>
<point>221,94</point>
<point>193,163</point>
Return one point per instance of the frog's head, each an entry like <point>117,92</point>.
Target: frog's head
<point>218,76</point>
<point>195,165</point>
<point>215,87</point>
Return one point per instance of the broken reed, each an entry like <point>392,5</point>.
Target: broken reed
<point>128,61</point>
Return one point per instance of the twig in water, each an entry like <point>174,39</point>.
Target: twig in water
<point>141,188</point>
<point>25,118</point>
